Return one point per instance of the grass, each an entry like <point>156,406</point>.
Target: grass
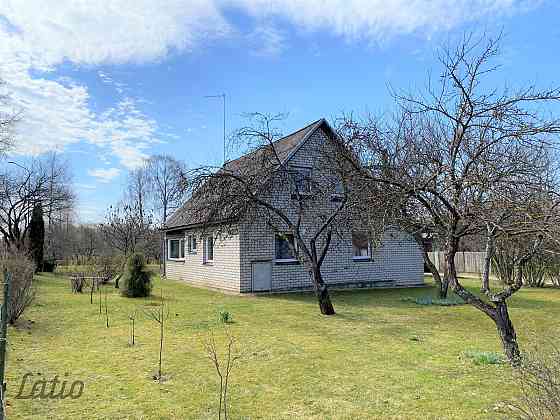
<point>379,357</point>
<point>429,300</point>
<point>485,357</point>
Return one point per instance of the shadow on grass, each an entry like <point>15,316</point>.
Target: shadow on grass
<point>394,297</point>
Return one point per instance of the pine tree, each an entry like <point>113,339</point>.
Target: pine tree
<point>136,278</point>
<point>37,236</point>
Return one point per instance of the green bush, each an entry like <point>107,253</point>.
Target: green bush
<point>49,265</point>
<point>136,279</point>
<point>225,316</point>
<point>485,357</point>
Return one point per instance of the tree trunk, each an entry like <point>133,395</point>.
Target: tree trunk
<point>485,286</point>
<point>163,257</point>
<point>450,271</point>
<point>444,288</point>
<point>322,293</point>
<point>507,333</point>
<point>434,271</point>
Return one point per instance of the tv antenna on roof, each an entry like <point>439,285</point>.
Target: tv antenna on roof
<point>223,96</point>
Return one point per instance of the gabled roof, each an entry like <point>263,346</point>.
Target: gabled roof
<point>285,148</point>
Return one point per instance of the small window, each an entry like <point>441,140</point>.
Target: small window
<point>191,244</point>
<point>302,180</point>
<point>208,249</point>
<point>283,248</point>
<point>339,192</point>
<point>361,249</point>
<point>176,249</point>
<point>339,188</point>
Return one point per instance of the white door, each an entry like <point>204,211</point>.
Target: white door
<point>262,276</point>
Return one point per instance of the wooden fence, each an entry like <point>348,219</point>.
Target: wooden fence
<point>466,262</point>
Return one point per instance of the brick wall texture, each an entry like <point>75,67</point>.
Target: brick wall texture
<point>396,261</point>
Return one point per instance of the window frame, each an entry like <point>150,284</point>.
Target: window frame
<point>361,257</point>
<point>284,260</point>
<point>295,173</point>
<point>206,260</point>
<point>181,249</point>
<point>191,239</point>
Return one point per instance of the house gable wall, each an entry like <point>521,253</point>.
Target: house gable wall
<point>398,261</point>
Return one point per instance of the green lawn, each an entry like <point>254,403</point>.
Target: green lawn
<point>379,357</point>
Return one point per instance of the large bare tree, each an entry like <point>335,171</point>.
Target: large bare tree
<point>22,187</point>
<point>167,189</point>
<point>138,190</point>
<point>463,158</point>
<point>166,183</point>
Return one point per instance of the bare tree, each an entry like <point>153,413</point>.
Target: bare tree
<point>223,364</point>
<point>22,291</point>
<point>58,170</point>
<point>132,317</point>
<point>166,180</point>
<point>305,206</point>
<point>160,315</point>
<point>106,309</point>
<point>538,382</point>
<point>125,229</point>
<point>21,188</point>
<point>168,190</point>
<point>464,159</point>
<point>138,191</point>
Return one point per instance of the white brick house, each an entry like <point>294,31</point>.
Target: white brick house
<point>252,258</point>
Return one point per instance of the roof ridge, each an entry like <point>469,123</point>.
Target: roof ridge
<point>286,147</point>
<point>320,120</point>
<point>301,129</point>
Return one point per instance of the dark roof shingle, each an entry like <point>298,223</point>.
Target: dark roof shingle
<point>186,216</point>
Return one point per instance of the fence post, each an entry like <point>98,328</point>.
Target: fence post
<point>3,338</point>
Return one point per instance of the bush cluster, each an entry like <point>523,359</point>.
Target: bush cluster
<point>22,292</point>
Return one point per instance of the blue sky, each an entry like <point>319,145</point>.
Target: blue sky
<point>107,83</point>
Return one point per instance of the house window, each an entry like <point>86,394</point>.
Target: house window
<point>176,249</point>
<point>339,188</point>
<point>361,249</point>
<point>339,191</point>
<point>208,249</point>
<point>191,244</point>
<point>302,180</point>
<point>283,249</point>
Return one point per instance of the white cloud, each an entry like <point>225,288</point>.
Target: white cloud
<point>37,36</point>
<point>267,40</point>
<point>104,175</point>
<point>82,186</point>
<point>377,20</point>
<point>117,31</point>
